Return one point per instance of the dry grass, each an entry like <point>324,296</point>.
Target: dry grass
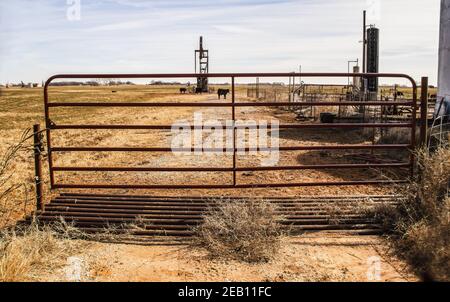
<point>36,252</point>
<point>25,252</point>
<point>41,253</point>
<point>395,136</point>
<point>388,135</point>
<point>421,223</point>
<point>30,252</point>
<point>240,230</point>
<point>13,194</point>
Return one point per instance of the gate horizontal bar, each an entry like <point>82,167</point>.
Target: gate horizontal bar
<point>238,186</point>
<point>223,150</point>
<point>292,126</point>
<point>230,105</point>
<point>243,169</point>
<point>236,75</point>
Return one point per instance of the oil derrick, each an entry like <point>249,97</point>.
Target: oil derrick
<point>202,65</point>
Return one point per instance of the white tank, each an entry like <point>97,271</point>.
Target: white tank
<point>444,51</point>
<point>356,80</point>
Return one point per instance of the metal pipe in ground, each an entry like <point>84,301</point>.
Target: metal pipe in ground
<point>424,111</point>
<point>37,147</point>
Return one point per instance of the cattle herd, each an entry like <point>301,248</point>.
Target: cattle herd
<point>220,92</point>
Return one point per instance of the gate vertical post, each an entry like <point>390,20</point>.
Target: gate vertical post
<point>37,147</point>
<point>233,101</point>
<point>424,111</point>
<point>48,125</point>
<point>413,129</point>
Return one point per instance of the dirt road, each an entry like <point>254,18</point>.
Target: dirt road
<point>313,257</point>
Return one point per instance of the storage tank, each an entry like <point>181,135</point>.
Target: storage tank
<point>444,50</point>
<point>356,80</point>
<point>443,100</point>
<point>373,51</point>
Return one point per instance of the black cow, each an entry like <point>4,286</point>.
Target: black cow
<point>198,90</point>
<point>183,90</point>
<point>223,92</point>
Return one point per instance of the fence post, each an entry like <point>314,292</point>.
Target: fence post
<point>233,102</point>
<point>424,111</point>
<point>37,147</point>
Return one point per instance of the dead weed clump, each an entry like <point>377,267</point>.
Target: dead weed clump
<point>246,230</point>
<point>421,223</point>
<point>32,251</point>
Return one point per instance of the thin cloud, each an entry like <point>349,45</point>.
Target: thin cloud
<point>122,26</point>
<point>236,29</point>
<point>242,36</point>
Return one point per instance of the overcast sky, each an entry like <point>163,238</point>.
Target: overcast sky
<point>44,37</point>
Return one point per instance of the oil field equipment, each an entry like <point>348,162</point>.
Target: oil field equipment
<point>373,35</point>
<point>202,65</point>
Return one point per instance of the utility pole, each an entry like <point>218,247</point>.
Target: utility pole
<point>364,43</point>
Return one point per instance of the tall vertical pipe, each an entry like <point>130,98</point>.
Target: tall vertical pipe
<point>424,111</point>
<point>444,51</point>
<point>38,165</point>
<point>372,59</point>
<point>364,43</point>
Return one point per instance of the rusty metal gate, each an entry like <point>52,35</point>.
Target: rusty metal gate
<point>52,130</point>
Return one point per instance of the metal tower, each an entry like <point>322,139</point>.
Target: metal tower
<point>202,57</point>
